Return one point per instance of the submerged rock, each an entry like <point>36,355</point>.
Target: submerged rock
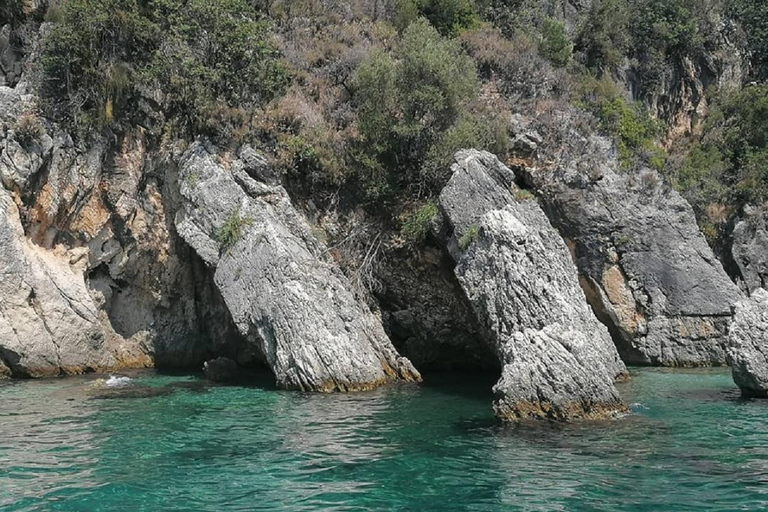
<point>283,292</point>
<point>748,350</point>
<point>221,369</point>
<point>558,361</point>
<point>647,270</point>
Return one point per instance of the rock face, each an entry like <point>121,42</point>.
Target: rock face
<point>48,323</point>
<point>748,351</point>
<point>645,267</point>
<point>558,361</point>
<point>284,294</point>
<point>749,248</point>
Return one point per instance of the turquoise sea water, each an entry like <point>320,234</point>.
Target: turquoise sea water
<point>690,445</point>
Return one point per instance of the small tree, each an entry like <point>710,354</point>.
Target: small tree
<point>555,45</point>
<point>405,105</point>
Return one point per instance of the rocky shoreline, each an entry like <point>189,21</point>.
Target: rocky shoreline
<point>553,269</point>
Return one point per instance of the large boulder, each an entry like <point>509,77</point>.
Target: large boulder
<point>647,270</point>
<point>558,361</point>
<point>749,248</point>
<point>748,350</point>
<point>284,293</point>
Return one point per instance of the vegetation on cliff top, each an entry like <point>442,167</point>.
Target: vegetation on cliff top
<point>365,101</point>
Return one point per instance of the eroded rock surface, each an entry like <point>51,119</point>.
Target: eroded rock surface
<point>283,292</point>
<point>96,221</point>
<point>558,360</point>
<point>645,266</point>
<point>748,351</point>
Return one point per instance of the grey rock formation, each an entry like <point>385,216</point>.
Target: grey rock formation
<point>282,290</point>
<point>748,351</point>
<point>646,268</point>
<point>558,360</point>
<point>749,248</point>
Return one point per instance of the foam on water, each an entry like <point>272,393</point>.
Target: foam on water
<point>118,381</point>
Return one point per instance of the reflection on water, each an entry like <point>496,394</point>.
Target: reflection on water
<point>163,443</point>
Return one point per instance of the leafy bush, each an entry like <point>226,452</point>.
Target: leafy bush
<point>753,15</point>
<point>449,17</point>
<point>418,223</point>
<point>469,236</point>
<point>470,131</point>
<point>90,58</point>
<point>634,131</point>
<point>103,52</point>
<point>405,106</point>
<point>604,39</point>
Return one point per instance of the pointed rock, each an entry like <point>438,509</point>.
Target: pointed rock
<point>558,360</point>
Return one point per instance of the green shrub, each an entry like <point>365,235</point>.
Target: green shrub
<point>522,194</point>
<point>87,56</point>
<point>470,131</point>
<point>604,38</point>
<point>555,45</point>
<point>630,124</point>
<point>469,236</point>
<point>232,231</point>
<point>753,15</point>
<point>418,223</point>
<point>449,17</point>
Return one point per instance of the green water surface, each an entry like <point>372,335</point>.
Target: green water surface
<point>170,443</point>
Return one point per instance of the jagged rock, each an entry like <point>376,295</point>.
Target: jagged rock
<point>749,248</point>
<point>558,360</point>
<point>282,291</point>
<point>221,369</point>
<point>748,351</point>
<point>646,268</point>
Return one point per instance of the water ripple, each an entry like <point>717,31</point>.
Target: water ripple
<point>171,444</point>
